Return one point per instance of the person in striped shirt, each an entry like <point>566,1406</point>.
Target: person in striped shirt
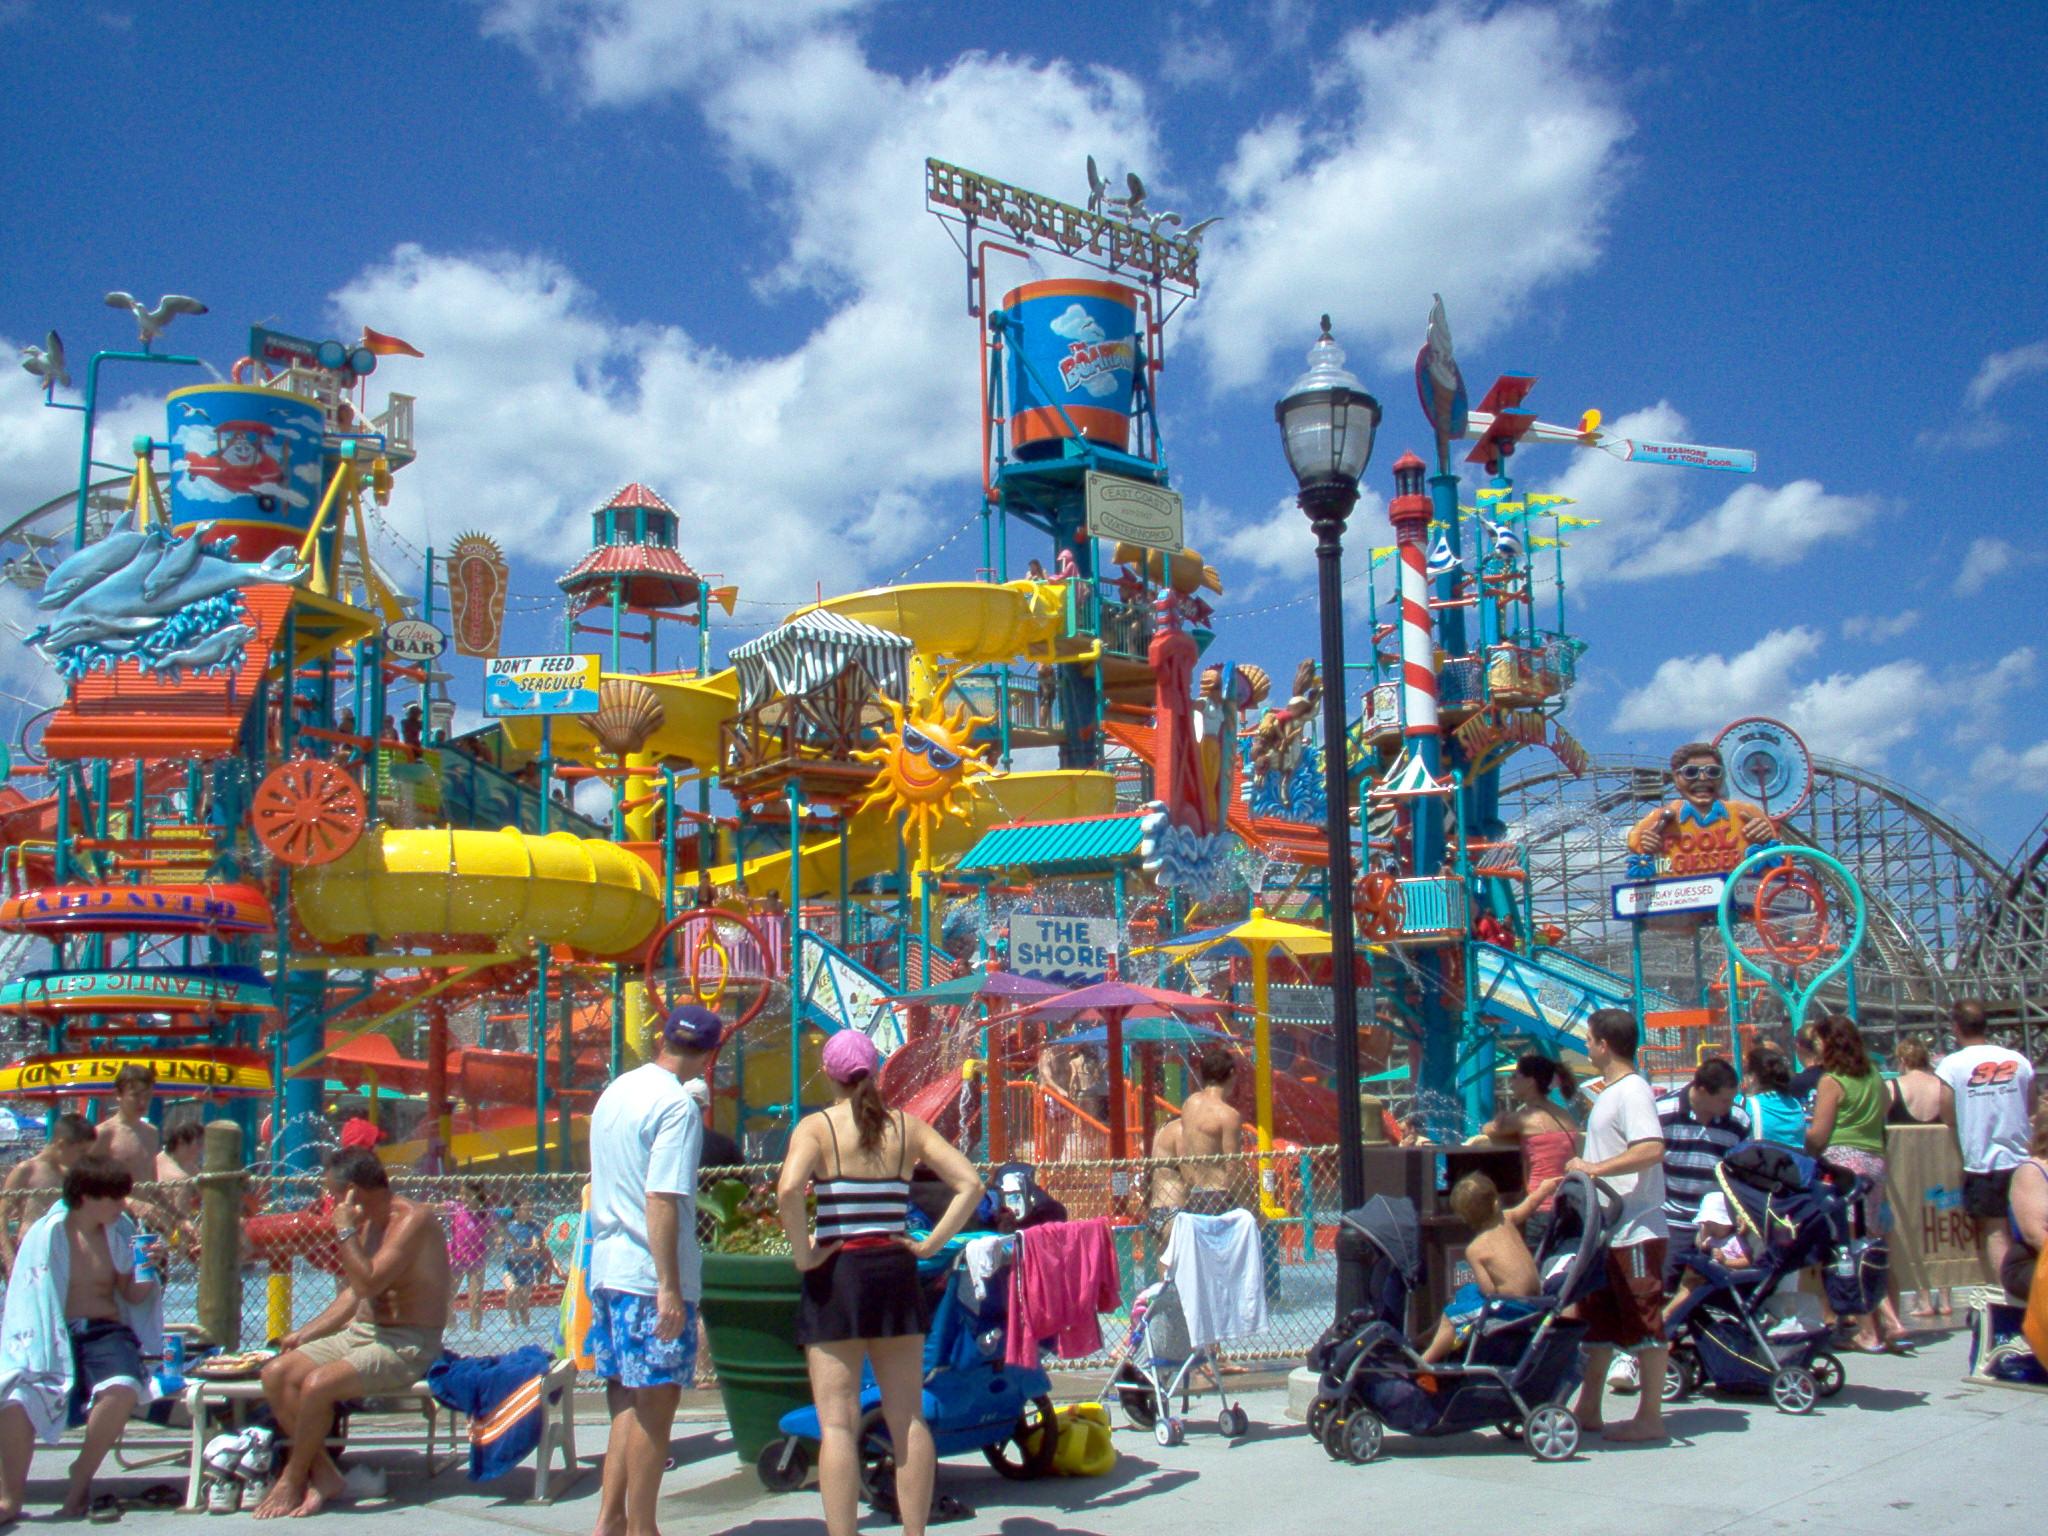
<point>1701,1123</point>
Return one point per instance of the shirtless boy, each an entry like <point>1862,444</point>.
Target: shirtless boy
<point>107,1370</point>
<point>32,1186</point>
<point>128,1137</point>
<point>380,1335</point>
<point>1502,1265</point>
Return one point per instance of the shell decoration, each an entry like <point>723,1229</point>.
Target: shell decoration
<point>628,713</point>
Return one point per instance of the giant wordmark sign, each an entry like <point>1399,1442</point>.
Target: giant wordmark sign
<point>1056,947</point>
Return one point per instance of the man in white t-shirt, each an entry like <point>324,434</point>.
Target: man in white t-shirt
<point>1987,1098</point>
<point>1625,1150</point>
<point>646,1270</point>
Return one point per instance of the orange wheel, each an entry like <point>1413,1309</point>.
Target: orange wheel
<point>307,811</point>
<point>1379,906</point>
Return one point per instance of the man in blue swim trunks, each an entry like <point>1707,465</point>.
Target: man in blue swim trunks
<point>646,1270</point>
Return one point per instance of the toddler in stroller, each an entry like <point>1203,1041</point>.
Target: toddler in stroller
<point>1518,1360</point>
<point>1784,1213</point>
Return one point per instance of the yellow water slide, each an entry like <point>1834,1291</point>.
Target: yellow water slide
<point>512,887</point>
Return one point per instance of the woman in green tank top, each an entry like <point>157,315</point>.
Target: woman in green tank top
<point>1847,1133</point>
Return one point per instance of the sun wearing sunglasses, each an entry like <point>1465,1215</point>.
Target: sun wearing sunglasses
<point>916,741</point>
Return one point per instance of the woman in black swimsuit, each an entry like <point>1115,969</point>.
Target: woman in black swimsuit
<point>862,1298</point>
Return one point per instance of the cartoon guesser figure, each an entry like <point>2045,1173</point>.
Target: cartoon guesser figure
<point>1700,833</point>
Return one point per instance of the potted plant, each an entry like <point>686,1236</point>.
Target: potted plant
<point>751,1292</point>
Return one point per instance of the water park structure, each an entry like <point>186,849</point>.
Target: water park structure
<point>251,847</point>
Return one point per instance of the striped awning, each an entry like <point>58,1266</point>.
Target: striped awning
<point>812,649</point>
<point>1084,843</point>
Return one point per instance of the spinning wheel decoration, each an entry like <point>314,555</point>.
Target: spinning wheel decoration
<point>307,812</point>
<point>1802,919</point>
<point>715,957</point>
<point>1380,908</point>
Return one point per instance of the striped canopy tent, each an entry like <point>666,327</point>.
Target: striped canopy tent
<point>814,648</point>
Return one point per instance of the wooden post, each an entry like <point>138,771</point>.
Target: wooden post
<point>220,1235</point>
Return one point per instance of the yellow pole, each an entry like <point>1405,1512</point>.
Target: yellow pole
<point>1262,1043</point>
<point>279,1296</point>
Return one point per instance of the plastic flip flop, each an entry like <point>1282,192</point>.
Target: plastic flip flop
<point>106,1509</point>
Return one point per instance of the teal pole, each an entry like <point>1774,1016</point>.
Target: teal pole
<point>796,939</point>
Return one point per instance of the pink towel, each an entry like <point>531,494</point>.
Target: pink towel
<point>1063,1277</point>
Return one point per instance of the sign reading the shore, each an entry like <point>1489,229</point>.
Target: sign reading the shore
<point>1054,946</point>
<point>177,1072</point>
<point>1136,513</point>
<point>414,640</point>
<point>540,685</point>
<point>1661,898</point>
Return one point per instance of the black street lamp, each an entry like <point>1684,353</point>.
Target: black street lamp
<point>1327,422</point>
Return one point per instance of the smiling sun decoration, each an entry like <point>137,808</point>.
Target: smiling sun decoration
<point>924,764</point>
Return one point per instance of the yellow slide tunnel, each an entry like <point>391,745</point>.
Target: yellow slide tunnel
<point>510,886</point>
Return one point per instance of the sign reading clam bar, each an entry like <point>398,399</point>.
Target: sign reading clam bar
<point>177,1072</point>
<point>1657,898</point>
<point>540,685</point>
<point>1135,513</point>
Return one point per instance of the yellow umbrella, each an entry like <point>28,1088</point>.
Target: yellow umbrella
<point>1257,936</point>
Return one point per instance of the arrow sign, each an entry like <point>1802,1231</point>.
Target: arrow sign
<point>1740,461</point>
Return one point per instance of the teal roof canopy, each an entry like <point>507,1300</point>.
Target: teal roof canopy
<point>1078,846</point>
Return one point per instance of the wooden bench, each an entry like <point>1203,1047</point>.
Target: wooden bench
<point>229,1402</point>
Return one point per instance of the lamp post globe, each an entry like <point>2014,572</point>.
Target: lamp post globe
<point>1327,422</point>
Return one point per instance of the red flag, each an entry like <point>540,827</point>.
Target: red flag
<point>389,346</point>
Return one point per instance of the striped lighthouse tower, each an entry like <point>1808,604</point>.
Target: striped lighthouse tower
<point>1409,513</point>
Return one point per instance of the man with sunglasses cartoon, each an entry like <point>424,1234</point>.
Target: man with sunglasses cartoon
<point>1700,833</point>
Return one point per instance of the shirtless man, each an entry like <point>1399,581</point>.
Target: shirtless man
<point>1208,1125</point>
<point>32,1186</point>
<point>178,1165</point>
<point>128,1138</point>
<point>106,1370</point>
<point>380,1335</point>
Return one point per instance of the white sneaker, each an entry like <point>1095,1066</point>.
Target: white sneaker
<point>258,1449</point>
<point>365,1482</point>
<point>223,1496</point>
<point>1624,1376</point>
<point>223,1455</point>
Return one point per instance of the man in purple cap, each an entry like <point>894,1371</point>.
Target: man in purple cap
<point>646,1270</point>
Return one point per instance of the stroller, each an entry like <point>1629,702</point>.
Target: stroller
<point>1518,1363</point>
<point>1157,1360</point>
<point>1791,1213</point>
<point>972,1400</point>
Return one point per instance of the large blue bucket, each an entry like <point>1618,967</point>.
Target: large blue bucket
<point>247,460</point>
<point>1072,346</point>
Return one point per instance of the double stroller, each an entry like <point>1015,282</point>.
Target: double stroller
<point>1517,1365</point>
<point>1790,1213</point>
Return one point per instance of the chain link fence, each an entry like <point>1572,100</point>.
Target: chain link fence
<point>511,1241</point>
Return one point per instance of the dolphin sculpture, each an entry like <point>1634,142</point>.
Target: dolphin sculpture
<point>219,650</point>
<point>177,562</point>
<point>92,564</point>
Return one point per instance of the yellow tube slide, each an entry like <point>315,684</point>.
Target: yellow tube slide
<point>508,886</point>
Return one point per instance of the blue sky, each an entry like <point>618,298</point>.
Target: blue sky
<point>683,241</point>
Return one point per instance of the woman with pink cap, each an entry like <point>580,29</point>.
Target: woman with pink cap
<point>862,1299</point>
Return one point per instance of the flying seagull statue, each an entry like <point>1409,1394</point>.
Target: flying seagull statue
<point>150,323</point>
<point>47,362</point>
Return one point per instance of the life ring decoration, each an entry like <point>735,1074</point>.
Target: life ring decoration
<point>1380,907</point>
<point>68,909</point>
<point>308,812</point>
<point>717,952</point>
<point>1790,910</point>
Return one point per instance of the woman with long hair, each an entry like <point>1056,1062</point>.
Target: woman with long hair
<point>1847,1134</point>
<point>1548,1135</point>
<point>862,1298</point>
<point>1915,1099</point>
<point>1775,1111</point>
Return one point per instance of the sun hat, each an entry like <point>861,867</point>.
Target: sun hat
<point>691,1027</point>
<point>850,1054</point>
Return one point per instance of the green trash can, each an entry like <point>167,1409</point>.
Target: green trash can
<point>749,1308</point>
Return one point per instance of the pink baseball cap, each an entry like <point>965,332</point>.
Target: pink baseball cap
<point>850,1054</point>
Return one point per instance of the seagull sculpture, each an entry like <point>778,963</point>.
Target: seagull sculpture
<point>47,362</point>
<point>150,323</point>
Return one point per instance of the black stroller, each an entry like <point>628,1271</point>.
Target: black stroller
<point>1791,1213</point>
<point>1518,1364</point>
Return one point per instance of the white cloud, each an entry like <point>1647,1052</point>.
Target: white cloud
<point>1878,627</point>
<point>1689,693</point>
<point>1984,560</point>
<point>2000,767</point>
<point>1977,428</point>
<point>1282,543</point>
<point>1409,175</point>
<point>1657,521</point>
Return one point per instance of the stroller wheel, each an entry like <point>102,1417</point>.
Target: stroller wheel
<point>1828,1374</point>
<point>1332,1431</point>
<point>1168,1432</point>
<point>1028,1452</point>
<point>1318,1415</point>
<point>1553,1432</point>
<point>1509,1429</point>
<point>1139,1409</point>
<point>1795,1390</point>
<point>877,1460</point>
<point>1363,1434</point>
<point>784,1464</point>
<point>1233,1421</point>
<point>1681,1376</point>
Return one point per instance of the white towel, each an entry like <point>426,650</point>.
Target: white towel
<point>35,1342</point>
<point>1214,1264</point>
<point>982,1259</point>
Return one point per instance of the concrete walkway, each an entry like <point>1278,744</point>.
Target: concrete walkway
<point>1908,1446</point>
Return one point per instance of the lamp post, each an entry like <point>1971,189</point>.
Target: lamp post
<point>1327,422</point>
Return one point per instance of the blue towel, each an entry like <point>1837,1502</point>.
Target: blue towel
<point>502,1397</point>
